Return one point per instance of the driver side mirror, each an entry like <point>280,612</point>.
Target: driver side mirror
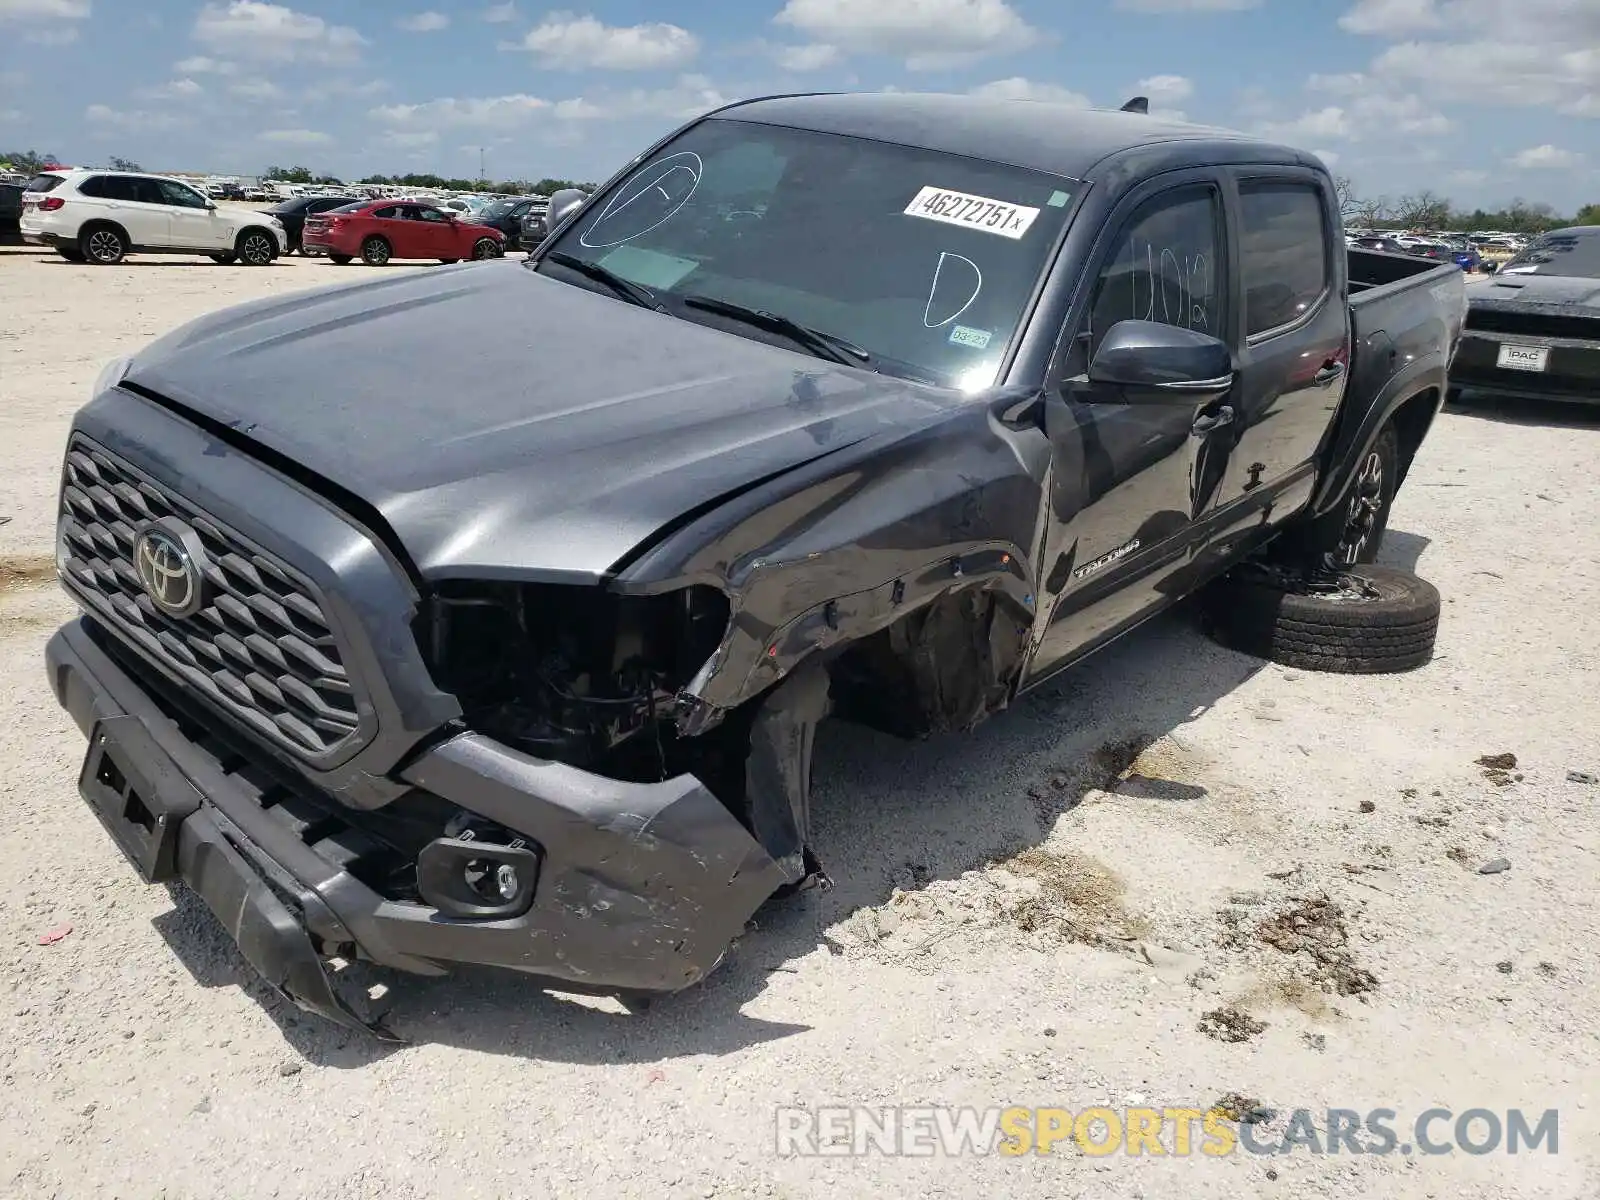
<point>1156,362</point>
<point>562,205</point>
<point>211,205</point>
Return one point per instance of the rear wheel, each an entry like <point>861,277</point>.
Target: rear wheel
<point>485,248</point>
<point>375,251</point>
<point>103,245</point>
<point>341,259</point>
<point>256,248</point>
<point>1351,532</point>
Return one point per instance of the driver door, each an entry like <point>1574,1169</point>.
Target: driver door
<point>191,220</point>
<point>436,234</point>
<point>1134,470</point>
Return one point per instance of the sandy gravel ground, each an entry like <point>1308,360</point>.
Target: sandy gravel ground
<point>1040,913</point>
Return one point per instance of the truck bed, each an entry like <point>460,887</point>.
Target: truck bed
<point>1404,304</point>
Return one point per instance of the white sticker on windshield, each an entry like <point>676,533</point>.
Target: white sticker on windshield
<point>965,335</point>
<point>971,212</point>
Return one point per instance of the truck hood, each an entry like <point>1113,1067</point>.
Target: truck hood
<point>507,425</point>
<point>1535,288</point>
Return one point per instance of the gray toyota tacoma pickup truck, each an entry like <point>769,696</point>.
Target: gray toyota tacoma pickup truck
<point>888,407</point>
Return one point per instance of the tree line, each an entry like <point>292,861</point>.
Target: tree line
<point>1429,210</point>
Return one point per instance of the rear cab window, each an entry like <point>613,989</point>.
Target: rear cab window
<point>44,183</point>
<point>1283,252</point>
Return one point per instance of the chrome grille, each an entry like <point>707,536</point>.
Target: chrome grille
<point>260,649</point>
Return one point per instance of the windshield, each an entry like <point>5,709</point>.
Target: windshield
<point>1564,252</point>
<point>498,209</point>
<point>922,259</point>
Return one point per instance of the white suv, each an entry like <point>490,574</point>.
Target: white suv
<point>100,216</point>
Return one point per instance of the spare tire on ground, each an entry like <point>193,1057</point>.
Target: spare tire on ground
<point>1362,620</point>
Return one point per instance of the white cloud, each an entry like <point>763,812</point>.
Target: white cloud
<point>10,116</point>
<point>1468,178</point>
<point>928,34</point>
<point>1166,89</point>
<point>1181,6</point>
<point>488,112</point>
<point>1330,158</point>
<point>690,96</point>
<point>271,32</point>
<point>1329,122</point>
<point>295,137</point>
<point>106,120</point>
<point>424,22</point>
<point>175,89</point>
<point>201,65</point>
<point>1018,88</point>
<point>1390,17</point>
<point>332,88</point>
<point>255,89</point>
<point>1545,158</point>
<point>1366,116</point>
<point>61,35</point>
<point>414,139</point>
<point>566,40</point>
<point>43,10</point>
<point>811,57</point>
<point>499,14</point>
<point>1531,53</point>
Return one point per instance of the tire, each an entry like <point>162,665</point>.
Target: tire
<point>449,262</point>
<point>1351,532</point>
<point>256,248</point>
<point>1367,620</point>
<point>103,245</point>
<point>225,258</point>
<point>70,253</point>
<point>342,259</point>
<point>485,248</point>
<point>375,251</point>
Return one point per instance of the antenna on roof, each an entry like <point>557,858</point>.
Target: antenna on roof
<point>1139,104</point>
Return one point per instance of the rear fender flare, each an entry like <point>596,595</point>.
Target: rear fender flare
<point>1356,436</point>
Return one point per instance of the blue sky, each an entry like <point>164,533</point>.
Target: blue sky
<point>1481,100</point>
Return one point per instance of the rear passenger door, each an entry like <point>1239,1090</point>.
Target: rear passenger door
<point>1295,352</point>
<point>133,203</point>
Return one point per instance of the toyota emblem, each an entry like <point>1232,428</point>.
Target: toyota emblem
<point>169,573</point>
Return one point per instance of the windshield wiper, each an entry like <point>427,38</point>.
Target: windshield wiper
<point>823,345</point>
<point>632,292</point>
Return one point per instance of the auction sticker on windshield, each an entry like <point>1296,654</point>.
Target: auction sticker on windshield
<point>972,212</point>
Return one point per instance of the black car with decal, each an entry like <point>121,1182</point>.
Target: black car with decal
<point>1534,330</point>
<point>882,407</point>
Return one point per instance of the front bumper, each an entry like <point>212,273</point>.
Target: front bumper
<point>1571,374</point>
<point>641,887</point>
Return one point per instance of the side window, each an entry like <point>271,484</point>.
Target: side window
<point>145,191</point>
<point>178,195</point>
<point>1166,265</point>
<point>387,214</point>
<point>1283,252</point>
<point>431,214</point>
<point>94,186</point>
<point>119,187</point>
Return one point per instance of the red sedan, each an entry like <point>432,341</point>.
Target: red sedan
<point>377,230</point>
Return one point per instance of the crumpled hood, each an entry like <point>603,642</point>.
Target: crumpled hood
<point>510,425</point>
<point>1537,288</point>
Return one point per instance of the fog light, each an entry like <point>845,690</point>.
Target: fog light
<point>468,877</point>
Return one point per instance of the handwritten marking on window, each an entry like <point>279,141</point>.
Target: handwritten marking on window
<point>962,271</point>
<point>675,177</point>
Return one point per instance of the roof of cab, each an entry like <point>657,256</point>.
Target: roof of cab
<point>1043,136</point>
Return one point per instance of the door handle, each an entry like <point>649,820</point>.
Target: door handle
<point>1330,371</point>
<point>1205,425</point>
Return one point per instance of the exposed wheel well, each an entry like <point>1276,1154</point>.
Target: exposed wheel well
<point>1411,422</point>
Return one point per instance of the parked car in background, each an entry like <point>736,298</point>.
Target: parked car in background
<point>1385,245</point>
<point>535,225</point>
<point>376,231</point>
<point>1534,330</point>
<point>101,216</point>
<point>293,214</point>
<point>507,215</point>
<point>10,212</point>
